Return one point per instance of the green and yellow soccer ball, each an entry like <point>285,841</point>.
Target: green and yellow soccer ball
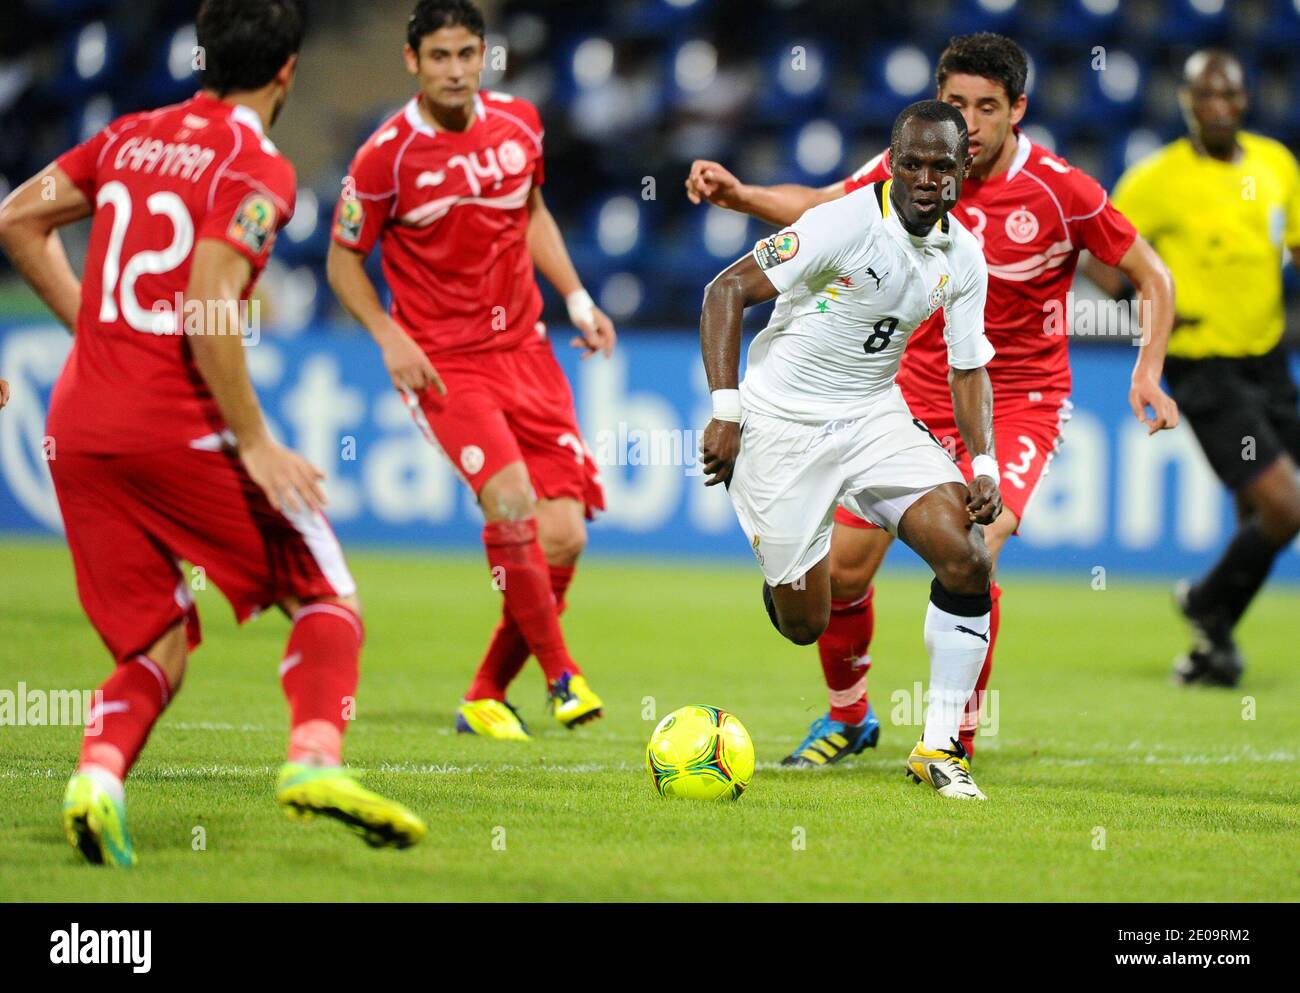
<point>700,753</point>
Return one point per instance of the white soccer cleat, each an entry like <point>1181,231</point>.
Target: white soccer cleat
<point>947,770</point>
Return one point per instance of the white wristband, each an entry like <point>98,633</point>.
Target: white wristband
<point>985,465</point>
<point>582,310</point>
<point>726,405</point>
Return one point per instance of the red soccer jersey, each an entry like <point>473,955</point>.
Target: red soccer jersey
<point>450,212</point>
<point>160,182</point>
<point>1032,220</point>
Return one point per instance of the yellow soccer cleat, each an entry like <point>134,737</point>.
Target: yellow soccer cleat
<point>305,791</point>
<point>572,701</point>
<point>95,823</point>
<point>490,719</point>
<point>947,770</point>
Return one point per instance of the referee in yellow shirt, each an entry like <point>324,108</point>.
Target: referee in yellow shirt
<point>1220,206</point>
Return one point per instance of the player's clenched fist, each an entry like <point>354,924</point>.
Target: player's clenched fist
<point>4,392</point>
<point>408,366</point>
<point>984,502</point>
<point>718,450</point>
<point>714,183</point>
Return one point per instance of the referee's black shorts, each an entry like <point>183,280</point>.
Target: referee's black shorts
<point>1243,411</point>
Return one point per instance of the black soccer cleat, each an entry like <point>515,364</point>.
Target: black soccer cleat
<point>1213,668</point>
<point>1214,659</point>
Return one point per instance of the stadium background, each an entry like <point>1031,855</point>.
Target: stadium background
<point>631,92</point>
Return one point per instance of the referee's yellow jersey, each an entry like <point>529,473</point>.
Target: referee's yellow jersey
<point>1221,227</point>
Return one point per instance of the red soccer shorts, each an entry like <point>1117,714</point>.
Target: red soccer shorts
<point>132,519</point>
<point>1026,435</point>
<point>508,406</point>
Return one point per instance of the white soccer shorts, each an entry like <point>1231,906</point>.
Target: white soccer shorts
<point>790,475</point>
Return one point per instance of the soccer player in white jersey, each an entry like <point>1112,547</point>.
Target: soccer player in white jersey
<point>819,421</point>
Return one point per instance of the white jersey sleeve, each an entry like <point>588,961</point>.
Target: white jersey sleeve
<point>963,326</point>
<point>814,250</point>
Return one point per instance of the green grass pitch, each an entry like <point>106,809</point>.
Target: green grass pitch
<point>1106,782</point>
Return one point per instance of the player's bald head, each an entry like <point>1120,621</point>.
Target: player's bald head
<point>1212,61</point>
<point>1213,100</point>
<point>929,121</point>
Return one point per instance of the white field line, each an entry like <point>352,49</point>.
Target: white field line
<point>1245,756</point>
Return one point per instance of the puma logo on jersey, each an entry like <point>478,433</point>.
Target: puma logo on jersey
<point>872,273</point>
<point>429,179</point>
<point>388,135</point>
<point>965,630</point>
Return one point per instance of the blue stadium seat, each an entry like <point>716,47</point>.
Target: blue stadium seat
<point>894,76</point>
<point>979,15</point>
<point>91,62</point>
<point>815,151</point>
<point>306,237</point>
<point>1122,155</point>
<point>93,115</point>
<point>66,12</point>
<point>1194,21</point>
<point>171,75</point>
<point>797,77</point>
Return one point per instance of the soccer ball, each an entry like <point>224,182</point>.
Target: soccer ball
<point>700,753</point>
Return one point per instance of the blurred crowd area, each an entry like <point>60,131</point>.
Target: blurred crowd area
<point>631,91</point>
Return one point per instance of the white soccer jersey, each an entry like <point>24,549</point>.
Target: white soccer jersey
<point>854,285</point>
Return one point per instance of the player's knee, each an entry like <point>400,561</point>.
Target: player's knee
<point>805,628</point>
<point>850,579</point>
<point>803,631</point>
<point>968,571</point>
<point>171,654</point>
<point>1282,525</point>
<point>1279,519</point>
<point>508,501</point>
<point>563,544</point>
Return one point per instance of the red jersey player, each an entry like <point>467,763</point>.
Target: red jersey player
<point>1033,213</point>
<point>161,453</point>
<point>449,187</point>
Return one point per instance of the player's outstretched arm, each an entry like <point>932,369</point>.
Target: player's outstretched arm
<point>1155,293</point>
<point>218,276</point>
<point>407,365</point>
<point>4,392</point>
<point>551,257</point>
<point>29,221</point>
<point>972,407</point>
<point>779,205</point>
<point>740,285</point>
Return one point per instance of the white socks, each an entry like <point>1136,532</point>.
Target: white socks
<point>957,643</point>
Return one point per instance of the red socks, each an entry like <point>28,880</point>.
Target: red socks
<point>508,651</point>
<point>530,603</point>
<point>843,650</point>
<point>974,707</point>
<point>128,704</point>
<point>319,675</point>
